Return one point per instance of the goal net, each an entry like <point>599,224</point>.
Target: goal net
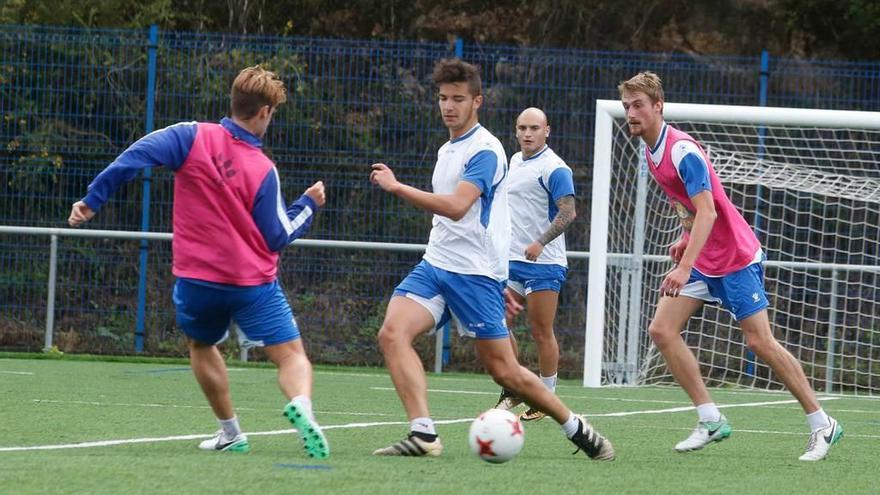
<point>808,181</point>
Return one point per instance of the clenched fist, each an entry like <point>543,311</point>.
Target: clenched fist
<point>316,192</point>
<point>80,214</point>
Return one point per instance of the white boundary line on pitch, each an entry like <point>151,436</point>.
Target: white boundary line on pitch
<point>178,406</point>
<point>108,443</point>
<point>760,432</point>
<point>17,373</point>
<point>481,392</point>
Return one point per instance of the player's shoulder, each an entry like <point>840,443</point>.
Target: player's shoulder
<point>516,158</point>
<point>551,161</point>
<point>684,147</point>
<point>484,138</point>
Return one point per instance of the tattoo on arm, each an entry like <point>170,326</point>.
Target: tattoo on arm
<point>561,221</point>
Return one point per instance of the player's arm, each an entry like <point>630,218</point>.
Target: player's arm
<point>279,223</point>
<point>477,178</point>
<point>694,173</point>
<point>562,191</point>
<point>703,222</point>
<point>169,147</point>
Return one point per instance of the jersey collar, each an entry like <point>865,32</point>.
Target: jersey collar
<point>657,151</point>
<point>536,155</point>
<point>467,134</point>
<point>240,133</point>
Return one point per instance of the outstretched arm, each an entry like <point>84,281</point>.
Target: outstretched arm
<point>169,147</point>
<point>453,206</point>
<point>478,178</point>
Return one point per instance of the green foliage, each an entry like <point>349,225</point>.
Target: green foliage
<point>801,28</point>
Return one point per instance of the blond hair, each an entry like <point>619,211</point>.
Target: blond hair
<point>645,82</point>
<point>254,88</point>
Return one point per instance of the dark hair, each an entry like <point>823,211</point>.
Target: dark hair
<point>455,70</point>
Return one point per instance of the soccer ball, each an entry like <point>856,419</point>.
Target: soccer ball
<point>496,436</point>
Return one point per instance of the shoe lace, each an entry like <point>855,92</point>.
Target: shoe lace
<point>586,439</point>
<point>814,436</point>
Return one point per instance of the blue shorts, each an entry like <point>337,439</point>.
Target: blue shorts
<point>526,278</point>
<point>205,310</point>
<point>476,300</point>
<point>741,292</point>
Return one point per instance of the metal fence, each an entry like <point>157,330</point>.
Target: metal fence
<point>71,99</point>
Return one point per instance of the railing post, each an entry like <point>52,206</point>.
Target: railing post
<point>764,76</point>
<point>50,298</point>
<point>147,177</point>
<point>832,330</point>
<point>459,47</point>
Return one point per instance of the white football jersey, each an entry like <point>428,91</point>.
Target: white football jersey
<point>478,243</point>
<point>535,185</point>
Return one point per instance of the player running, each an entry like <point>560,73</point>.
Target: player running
<point>230,222</point>
<point>463,271</point>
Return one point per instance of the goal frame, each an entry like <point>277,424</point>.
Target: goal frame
<point>606,112</point>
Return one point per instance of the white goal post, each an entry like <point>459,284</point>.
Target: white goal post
<point>808,181</point>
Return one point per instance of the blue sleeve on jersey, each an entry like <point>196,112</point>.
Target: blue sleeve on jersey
<point>480,170</point>
<point>281,225</point>
<point>169,147</point>
<point>695,174</point>
<point>561,183</point>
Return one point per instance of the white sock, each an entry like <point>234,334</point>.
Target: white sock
<point>570,427</point>
<point>818,420</point>
<point>550,382</point>
<point>708,412</point>
<point>230,426</point>
<point>422,425</point>
<point>305,403</point>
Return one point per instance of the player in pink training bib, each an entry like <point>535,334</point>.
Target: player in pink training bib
<point>718,260</point>
<point>230,223</point>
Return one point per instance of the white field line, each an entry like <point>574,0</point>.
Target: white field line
<point>16,373</point>
<point>759,432</point>
<point>480,392</point>
<point>177,406</point>
<point>835,410</point>
<point>107,443</point>
<point>691,408</point>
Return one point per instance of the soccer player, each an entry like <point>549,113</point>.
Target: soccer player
<point>541,199</point>
<point>230,222</point>
<point>718,260</point>
<point>463,270</point>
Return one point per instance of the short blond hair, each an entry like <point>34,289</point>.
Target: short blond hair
<point>254,88</point>
<point>646,82</point>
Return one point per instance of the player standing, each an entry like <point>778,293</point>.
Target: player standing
<point>718,260</point>
<point>541,199</point>
<point>230,222</point>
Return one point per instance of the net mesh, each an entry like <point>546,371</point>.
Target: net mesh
<point>813,196</point>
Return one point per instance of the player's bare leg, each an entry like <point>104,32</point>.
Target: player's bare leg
<point>405,320</point>
<point>498,358</point>
<point>295,382</point>
<point>669,320</point>
<point>825,430</point>
<point>209,369</point>
<point>541,314</point>
<point>508,400</point>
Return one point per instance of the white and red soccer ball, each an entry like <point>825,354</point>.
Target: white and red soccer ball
<point>496,436</point>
